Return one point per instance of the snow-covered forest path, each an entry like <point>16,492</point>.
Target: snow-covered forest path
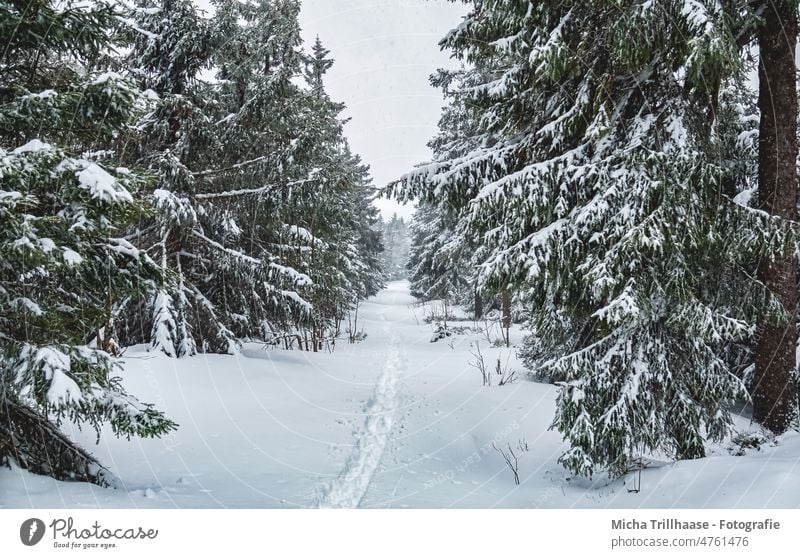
<point>370,440</point>
<point>351,485</point>
<point>392,421</point>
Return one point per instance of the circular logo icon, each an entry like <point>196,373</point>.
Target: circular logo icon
<point>31,531</point>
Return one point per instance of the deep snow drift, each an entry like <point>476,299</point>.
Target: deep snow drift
<point>393,421</point>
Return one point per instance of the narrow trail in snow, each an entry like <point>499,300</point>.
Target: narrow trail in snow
<point>350,487</point>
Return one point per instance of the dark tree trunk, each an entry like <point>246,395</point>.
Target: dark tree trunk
<point>773,390</point>
<point>478,305</point>
<point>444,301</point>
<point>506,296</point>
<point>36,444</point>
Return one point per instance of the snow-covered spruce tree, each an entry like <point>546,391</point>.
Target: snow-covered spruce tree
<point>440,263</point>
<point>64,268</point>
<point>443,262</point>
<point>282,187</point>
<point>341,249</point>
<point>367,242</point>
<point>317,64</point>
<point>213,152</point>
<point>260,171</point>
<point>598,185</point>
<point>343,256</point>
<point>397,240</point>
<point>255,189</point>
<point>737,122</point>
<point>170,44</point>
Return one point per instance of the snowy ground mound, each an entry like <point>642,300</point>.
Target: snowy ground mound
<point>393,421</point>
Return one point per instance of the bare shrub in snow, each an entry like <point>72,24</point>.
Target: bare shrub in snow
<point>479,364</point>
<point>512,458</point>
<point>507,375</point>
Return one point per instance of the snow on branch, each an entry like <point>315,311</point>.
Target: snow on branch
<point>230,251</point>
<point>211,172</point>
<point>249,191</point>
<point>297,277</point>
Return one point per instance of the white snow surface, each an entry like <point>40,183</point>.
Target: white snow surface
<point>350,487</point>
<point>393,421</point>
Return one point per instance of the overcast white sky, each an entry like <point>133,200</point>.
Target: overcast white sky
<point>385,50</point>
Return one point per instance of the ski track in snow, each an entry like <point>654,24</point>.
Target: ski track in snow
<point>352,483</point>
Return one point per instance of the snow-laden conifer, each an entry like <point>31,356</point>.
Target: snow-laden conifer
<point>65,266</point>
<point>595,179</point>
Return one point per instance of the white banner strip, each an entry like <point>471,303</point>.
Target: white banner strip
<point>399,533</point>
